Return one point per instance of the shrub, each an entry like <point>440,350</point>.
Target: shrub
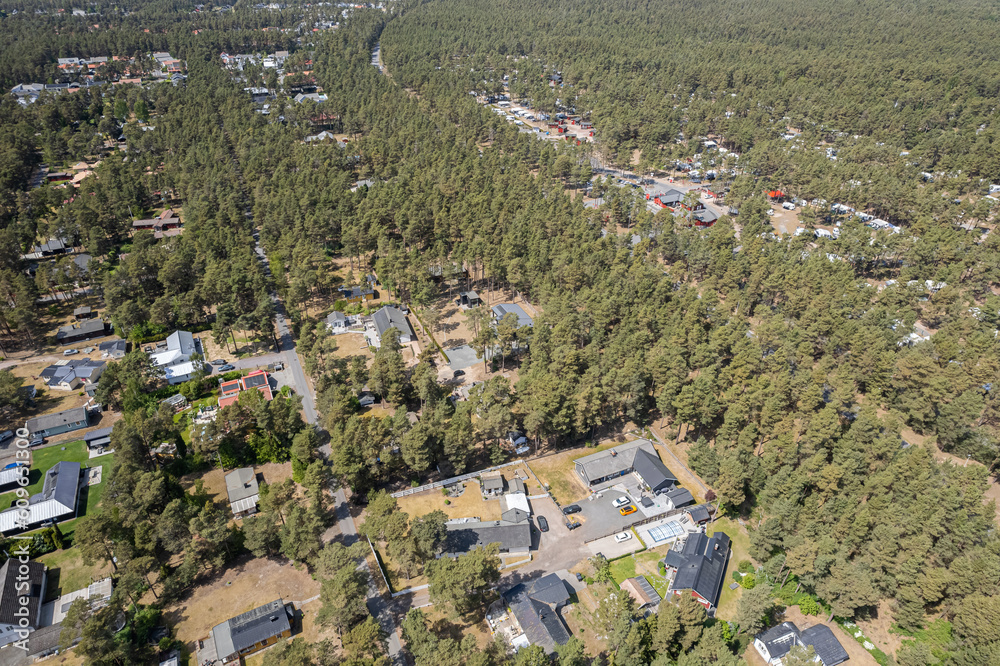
<point>749,581</point>
<point>809,606</point>
<point>738,577</point>
<point>447,502</point>
<point>745,566</point>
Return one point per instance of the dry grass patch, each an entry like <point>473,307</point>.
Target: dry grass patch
<point>244,586</point>
<point>558,472</point>
<point>469,504</point>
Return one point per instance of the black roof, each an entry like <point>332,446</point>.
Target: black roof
<point>464,537</point>
<point>699,514</point>
<point>652,470</point>
<point>550,589</point>
<point>100,433</point>
<point>826,645</point>
<point>9,594</point>
<point>779,639</point>
<point>701,565</point>
<point>680,497</point>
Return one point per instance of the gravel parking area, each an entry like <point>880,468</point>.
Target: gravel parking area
<point>611,549</point>
<point>461,357</point>
<point>600,517</point>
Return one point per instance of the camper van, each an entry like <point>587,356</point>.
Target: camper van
<point>788,205</point>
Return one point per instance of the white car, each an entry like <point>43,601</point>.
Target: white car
<point>623,537</point>
<point>70,352</point>
<point>621,501</point>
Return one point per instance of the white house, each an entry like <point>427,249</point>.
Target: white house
<point>175,361</point>
<point>774,644</point>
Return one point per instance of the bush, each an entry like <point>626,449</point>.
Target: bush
<point>447,502</point>
<point>738,577</point>
<point>745,566</point>
<point>749,581</point>
<point>809,606</point>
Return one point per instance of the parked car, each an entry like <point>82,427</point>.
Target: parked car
<point>788,205</point>
<point>621,501</point>
<point>572,524</point>
<point>543,524</point>
<point>36,440</point>
<point>219,361</point>
<point>458,373</point>
<point>628,510</point>
<point>623,537</point>
<point>227,367</point>
<point>70,352</point>
<point>5,435</point>
<point>571,509</point>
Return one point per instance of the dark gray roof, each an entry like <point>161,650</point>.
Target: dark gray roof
<point>356,292</point>
<point>9,594</point>
<point>671,195</point>
<point>680,497</point>
<point>702,565</point>
<point>826,645</point>
<point>112,345</point>
<point>463,537</point>
<point>390,317</point>
<point>616,460</point>
<point>516,486</point>
<point>514,515</point>
<point>537,616</point>
<point>650,468</point>
<point>100,433</point>
<point>550,589</point>
<point>780,639</point>
<point>699,514</point>
<point>254,626</point>
<point>47,421</point>
<point>44,640</point>
<point>83,309</point>
<point>91,327</point>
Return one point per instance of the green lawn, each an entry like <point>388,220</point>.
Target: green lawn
<point>68,573</point>
<point>625,567</point>
<point>41,461</point>
<point>740,551</point>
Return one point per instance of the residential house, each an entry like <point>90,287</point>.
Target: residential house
<point>87,330</point>
<point>774,644</point>
<point>243,491</point>
<point>82,312</point>
<point>699,515</point>
<point>469,299</point>
<point>48,425</point>
<point>642,591</point>
<point>11,475</point>
<point>259,380</point>
<point>113,349</point>
<point>315,97</point>
<point>502,309</point>
<point>669,199</point>
<point>493,486</point>
<point>56,502</point>
<point>74,374</point>
<point>22,589</point>
<point>512,532</point>
<point>357,294</point>
<point>699,567</point>
<point>638,457</point>
<point>98,439</point>
<point>176,402</point>
<point>516,496</point>
<point>252,631</point>
<point>337,322</point>
<point>175,359</point>
<point>679,497</point>
<point>388,318</point>
<point>535,609</point>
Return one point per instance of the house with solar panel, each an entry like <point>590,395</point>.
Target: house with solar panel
<point>774,644</point>
<point>22,589</point>
<point>258,380</point>
<point>243,491</point>
<point>640,589</point>
<point>699,568</point>
<point>252,631</point>
<point>56,503</point>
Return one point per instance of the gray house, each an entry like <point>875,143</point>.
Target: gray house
<point>536,609</point>
<point>86,330</point>
<point>388,318</point>
<point>48,425</point>
<point>512,532</point>
<point>56,502</point>
<point>22,589</point>
<point>243,491</point>
<point>252,631</point>
<point>638,457</point>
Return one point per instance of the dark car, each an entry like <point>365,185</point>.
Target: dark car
<point>572,508</point>
<point>227,367</point>
<point>218,361</point>
<point>543,524</point>
<point>572,525</point>
<point>459,373</point>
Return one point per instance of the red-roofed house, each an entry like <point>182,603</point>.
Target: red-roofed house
<point>229,392</point>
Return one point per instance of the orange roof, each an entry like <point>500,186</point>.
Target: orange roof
<point>229,400</point>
